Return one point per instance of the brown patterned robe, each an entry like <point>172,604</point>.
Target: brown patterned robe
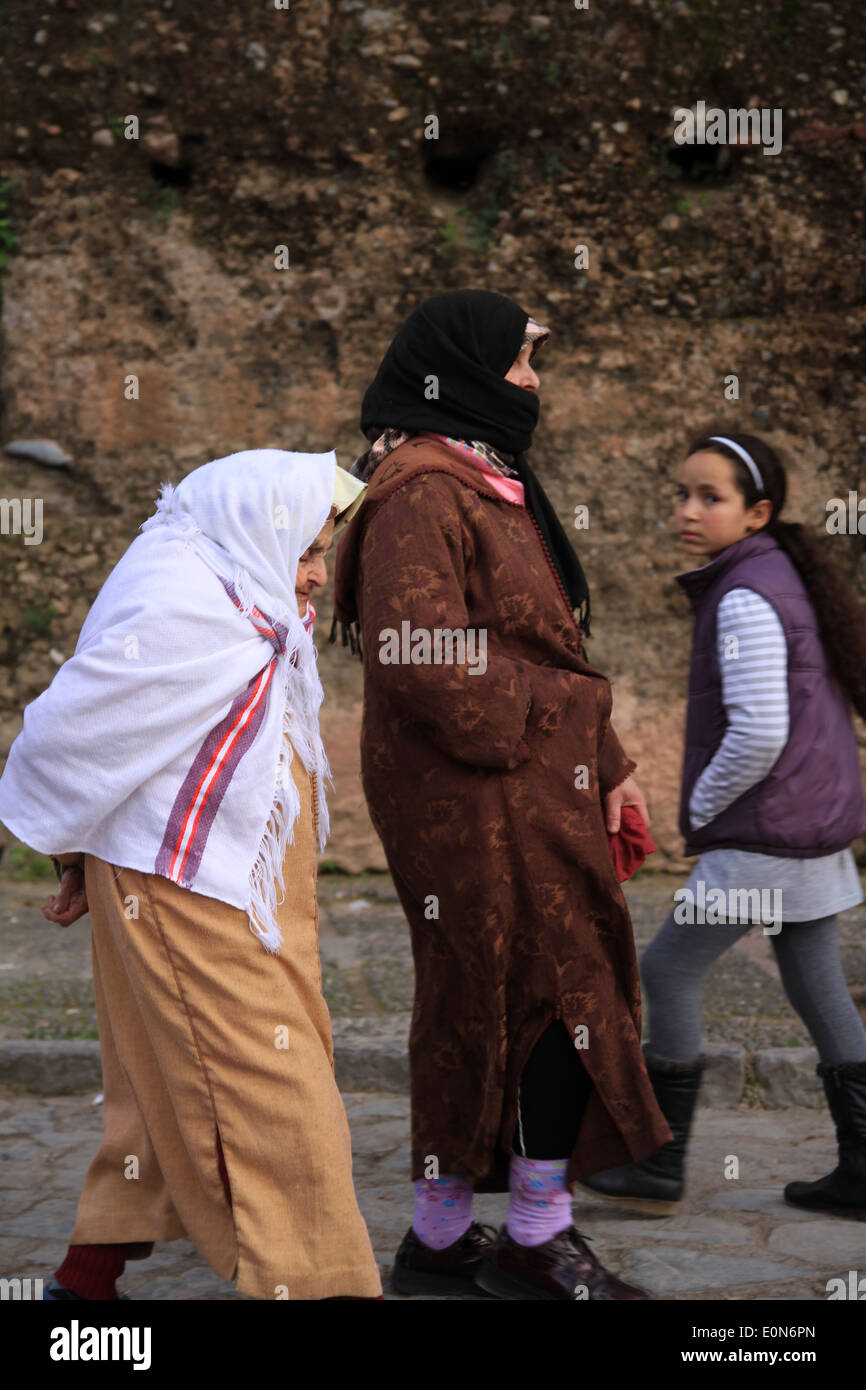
<point>470,780</point>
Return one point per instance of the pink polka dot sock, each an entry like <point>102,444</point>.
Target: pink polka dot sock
<point>443,1210</point>
<point>540,1204</point>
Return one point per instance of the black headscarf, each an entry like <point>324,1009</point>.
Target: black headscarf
<point>445,372</point>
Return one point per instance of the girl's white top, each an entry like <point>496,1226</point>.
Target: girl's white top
<point>163,744</point>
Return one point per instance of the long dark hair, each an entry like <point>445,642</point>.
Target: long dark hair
<point>841,616</point>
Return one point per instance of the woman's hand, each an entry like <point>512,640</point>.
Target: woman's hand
<point>628,793</point>
<point>70,903</point>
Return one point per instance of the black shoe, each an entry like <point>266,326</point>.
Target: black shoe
<point>58,1294</point>
<point>656,1184</point>
<point>562,1268</point>
<point>843,1190</point>
<point>418,1269</point>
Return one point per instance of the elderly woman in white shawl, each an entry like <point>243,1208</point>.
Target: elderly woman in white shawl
<point>174,770</point>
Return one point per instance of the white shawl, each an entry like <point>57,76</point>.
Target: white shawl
<point>164,743</point>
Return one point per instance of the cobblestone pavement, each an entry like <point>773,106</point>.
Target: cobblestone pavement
<point>733,1238</point>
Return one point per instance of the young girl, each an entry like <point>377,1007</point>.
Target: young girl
<point>771,799</point>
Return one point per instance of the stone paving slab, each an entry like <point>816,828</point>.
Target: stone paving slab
<point>755,1045</point>
<point>46,988</point>
<point>732,1239</point>
<point>371,1053</point>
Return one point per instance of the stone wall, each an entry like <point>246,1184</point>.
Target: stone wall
<point>305,127</point>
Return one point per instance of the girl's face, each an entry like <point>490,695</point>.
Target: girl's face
<point>312,572</point>
<point>520,373</point>
<point>710,512</point>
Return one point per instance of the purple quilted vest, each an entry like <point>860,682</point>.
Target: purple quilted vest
<point>811,801</point>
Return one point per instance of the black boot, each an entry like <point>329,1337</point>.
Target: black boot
<point>656,1184</point>
<point>843,1190</point>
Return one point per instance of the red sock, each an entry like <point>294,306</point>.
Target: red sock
<point>90,1270</point>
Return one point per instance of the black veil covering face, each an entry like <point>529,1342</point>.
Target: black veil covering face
<point>456,348</point>
<point>445,372</point>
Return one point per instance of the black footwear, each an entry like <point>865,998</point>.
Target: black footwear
<point>58,1294</point>
<point>656,1184</point>
<point>418,1269</point>
<point>561,1268</point>
<point>843,1190</point>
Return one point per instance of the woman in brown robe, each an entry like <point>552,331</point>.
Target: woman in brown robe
<point>492,781</point>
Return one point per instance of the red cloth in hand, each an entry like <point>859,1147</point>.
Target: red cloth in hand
<point>631,844</point>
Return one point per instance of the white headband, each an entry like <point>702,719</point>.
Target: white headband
<point>747,459</point>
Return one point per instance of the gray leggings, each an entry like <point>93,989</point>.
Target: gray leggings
<point>807,953</point>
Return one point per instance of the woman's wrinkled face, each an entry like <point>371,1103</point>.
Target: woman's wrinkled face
<point>312,571</point>
<point>521,373</point>
<point>710,512</point>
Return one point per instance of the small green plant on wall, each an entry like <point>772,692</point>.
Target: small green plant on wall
<point>40,619</point>
<point>8,239</point>
<point>161,201</point>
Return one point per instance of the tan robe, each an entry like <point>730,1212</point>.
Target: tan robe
<point>194,1016</point>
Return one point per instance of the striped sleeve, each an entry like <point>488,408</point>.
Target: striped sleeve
<point>753,660</point>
